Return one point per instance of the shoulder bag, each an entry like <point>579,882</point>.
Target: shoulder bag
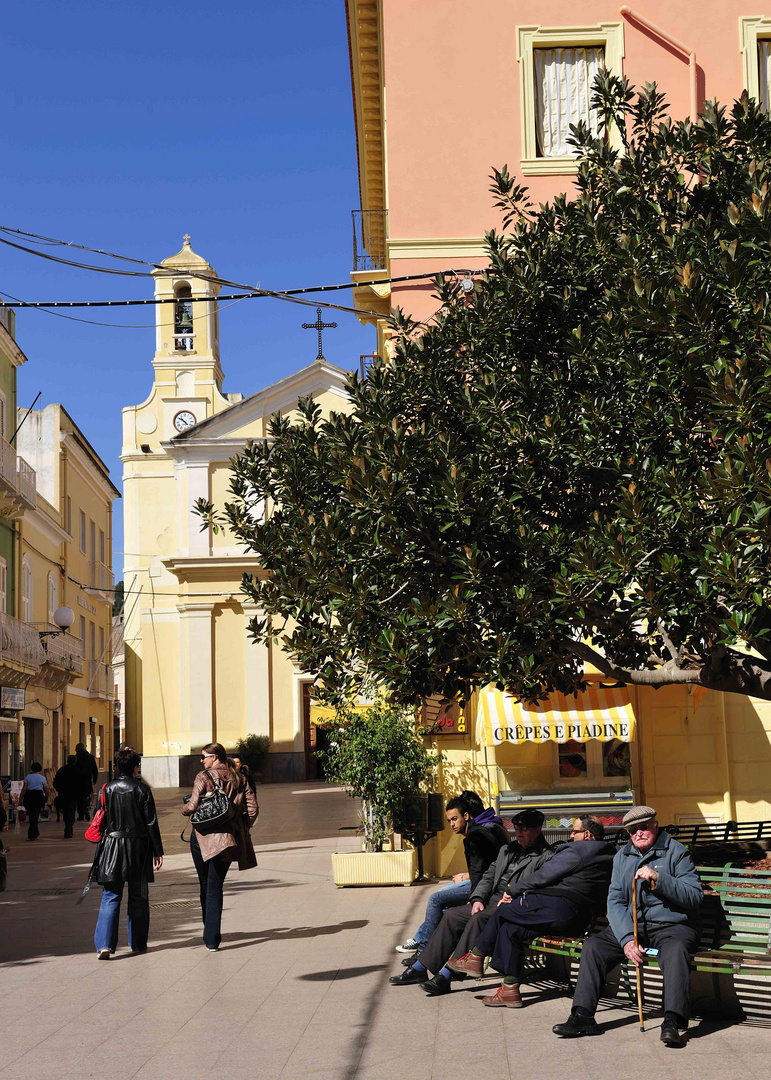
<point>95,829</point>
<point>215,810</point>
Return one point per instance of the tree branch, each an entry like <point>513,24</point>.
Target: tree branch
<point>669,643</point>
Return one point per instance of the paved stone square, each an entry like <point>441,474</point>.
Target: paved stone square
<point>300,985</point>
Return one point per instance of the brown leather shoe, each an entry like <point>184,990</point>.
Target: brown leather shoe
<point>468,965</point>
<point>506,996</point>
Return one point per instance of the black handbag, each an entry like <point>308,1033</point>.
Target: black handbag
<point>215,810</point>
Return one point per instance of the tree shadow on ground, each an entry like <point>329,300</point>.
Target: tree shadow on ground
<point>334,974</point>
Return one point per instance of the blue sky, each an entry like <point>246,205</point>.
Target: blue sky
<point>127,125</point>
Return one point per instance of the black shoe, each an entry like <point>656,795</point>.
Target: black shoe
<point>577,1025</point>
<point>670,1033</point>
<point>440,984</point>
<point>408,961</point>
<point>409,978</point>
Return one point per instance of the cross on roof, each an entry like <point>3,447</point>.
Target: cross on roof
<point>319,325</point>
<point>186,238</point>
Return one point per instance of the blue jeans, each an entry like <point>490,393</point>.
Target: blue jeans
<point>452,895</point>
<point>138,912</point>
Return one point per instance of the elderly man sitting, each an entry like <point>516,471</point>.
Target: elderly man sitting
<point>669,899</point>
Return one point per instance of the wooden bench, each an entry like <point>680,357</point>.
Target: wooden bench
<point>716,833</point>
<point>736,917</point>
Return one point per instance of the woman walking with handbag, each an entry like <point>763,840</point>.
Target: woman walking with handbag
<point>129,851</point>
<point>222,809</point>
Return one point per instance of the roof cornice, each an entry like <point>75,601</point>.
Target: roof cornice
<point>365,44</point>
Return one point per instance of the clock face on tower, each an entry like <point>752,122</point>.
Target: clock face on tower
<point>184,420</point>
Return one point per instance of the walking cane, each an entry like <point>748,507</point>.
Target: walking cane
<point>638,967</point>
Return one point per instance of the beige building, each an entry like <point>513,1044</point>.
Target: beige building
<point>192,674</point>
<point>65,558</point>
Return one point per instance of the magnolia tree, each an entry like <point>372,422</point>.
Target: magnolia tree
<point>570,464</point>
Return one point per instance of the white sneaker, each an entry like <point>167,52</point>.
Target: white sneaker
<point>103,954</point>
<point>409,946</point>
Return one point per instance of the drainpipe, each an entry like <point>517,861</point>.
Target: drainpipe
<point>630,13</point>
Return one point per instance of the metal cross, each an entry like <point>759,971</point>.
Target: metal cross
<point>319,325</point>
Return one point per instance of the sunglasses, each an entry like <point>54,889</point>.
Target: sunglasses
<point>642,827</point>
<point>204,756</point>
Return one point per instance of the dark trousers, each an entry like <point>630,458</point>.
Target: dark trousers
<point>676,942</point>
<point>455,934</point>
<point>69,806</point>
<point>83,806</point>
<point>513,926</point>
<point>211,878</point>
<point>34,801</point>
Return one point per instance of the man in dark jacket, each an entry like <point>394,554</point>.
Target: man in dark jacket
<point>560,897</point>
<point>69,786</point>
<point>481,844</point>
<point>461,926</point>
<point>670,895</point>
<point>129,851</point>
<point>86,765</point>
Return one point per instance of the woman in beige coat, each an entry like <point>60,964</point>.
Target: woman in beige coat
<point>213,852</point>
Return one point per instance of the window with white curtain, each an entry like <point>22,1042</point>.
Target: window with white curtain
<point>764,61</point>
<point>26,589</point>
<point>563,90</point>
<point>53,596</point>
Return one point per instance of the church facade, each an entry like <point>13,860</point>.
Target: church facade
<point>192,674</point>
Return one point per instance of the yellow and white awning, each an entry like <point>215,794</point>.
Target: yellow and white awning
<point>599,712</point>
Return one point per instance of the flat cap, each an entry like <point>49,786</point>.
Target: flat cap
<point>637,815</point>
<point>528,819</point>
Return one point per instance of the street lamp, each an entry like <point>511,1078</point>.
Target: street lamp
<point>64,617</point>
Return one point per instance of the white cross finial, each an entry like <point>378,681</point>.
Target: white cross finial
<point>186,239</point>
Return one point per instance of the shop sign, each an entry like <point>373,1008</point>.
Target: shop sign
<point>11,697</point>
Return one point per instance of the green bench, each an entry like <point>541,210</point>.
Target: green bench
<point>736,934</point>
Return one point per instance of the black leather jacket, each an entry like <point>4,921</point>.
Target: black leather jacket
<point>130,833</point>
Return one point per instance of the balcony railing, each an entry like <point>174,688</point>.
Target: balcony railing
<point>98,676</point>
<point>102,578</point>
<point>370,232</point>
<point>20,643</point>
<point>62,649</point>
<point>18,489</point>
<point>26,482</point>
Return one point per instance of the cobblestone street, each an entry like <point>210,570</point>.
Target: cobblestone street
<point>300,986</point>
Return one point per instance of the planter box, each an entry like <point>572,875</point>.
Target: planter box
<point>375,868</point>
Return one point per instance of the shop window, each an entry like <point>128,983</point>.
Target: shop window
<point>557,69</point>
<point>592,763</point>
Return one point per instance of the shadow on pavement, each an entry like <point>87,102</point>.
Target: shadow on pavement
<point>340,973</point>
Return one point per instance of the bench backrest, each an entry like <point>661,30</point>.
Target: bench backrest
<point>737,910</point>
<point>730,831</point>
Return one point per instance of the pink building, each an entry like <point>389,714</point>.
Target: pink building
<point>444,90</point>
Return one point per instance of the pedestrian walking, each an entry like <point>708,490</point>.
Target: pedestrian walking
<point>69,786</point>
<point>33,797</point>
<point>87,768</point>
<point>128,854</point>
<point>213,852</point>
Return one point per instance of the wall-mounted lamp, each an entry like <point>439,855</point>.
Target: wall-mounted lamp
<point>64,617</point>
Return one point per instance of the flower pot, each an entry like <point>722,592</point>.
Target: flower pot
<point>374,868</point>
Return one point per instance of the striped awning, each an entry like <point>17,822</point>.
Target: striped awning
<point>602,713</point>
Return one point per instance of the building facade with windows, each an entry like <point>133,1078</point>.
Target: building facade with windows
<point>192,673</point>
<point>442,93</point>
<point>65,555</point>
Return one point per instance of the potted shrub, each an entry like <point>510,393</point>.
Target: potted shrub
<point>378,757</point>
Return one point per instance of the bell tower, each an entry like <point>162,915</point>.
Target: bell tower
<point>187,322</point>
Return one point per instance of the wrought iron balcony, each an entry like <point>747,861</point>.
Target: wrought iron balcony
<point>19,645</point>
<point>18,489</point>
<point>102,579</point>
<point>370,232</point>
<point>98,678</point>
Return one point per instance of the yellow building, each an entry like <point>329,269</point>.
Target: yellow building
<point>192,675</point>
<point>65,558</point>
